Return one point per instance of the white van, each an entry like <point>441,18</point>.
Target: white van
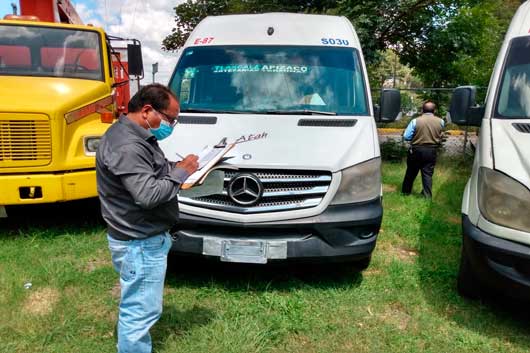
<point>496,202</point>
<point>305,178</point>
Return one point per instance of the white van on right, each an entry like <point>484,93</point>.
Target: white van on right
<point>496,201</point>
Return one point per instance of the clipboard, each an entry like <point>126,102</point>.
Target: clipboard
<point>208,158</point>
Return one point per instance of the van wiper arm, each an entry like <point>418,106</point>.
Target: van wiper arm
<point>299,112</point>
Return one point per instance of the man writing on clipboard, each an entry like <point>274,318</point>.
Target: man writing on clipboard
<point>138,190</point>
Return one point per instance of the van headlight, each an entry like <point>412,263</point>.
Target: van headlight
<point>91,144</point>
<point>503,200</point>
<point>359,183</point>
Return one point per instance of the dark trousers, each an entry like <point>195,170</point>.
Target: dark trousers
<point>420,158</point>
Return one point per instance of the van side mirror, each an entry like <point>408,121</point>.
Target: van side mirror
<point>462,109</point>
<point>134,59</point>
<point>389,107</point>
<point>475,116</point>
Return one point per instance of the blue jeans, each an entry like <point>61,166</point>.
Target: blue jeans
<point>142,267</point>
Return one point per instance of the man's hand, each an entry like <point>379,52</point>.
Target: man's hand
<point>189,164</point>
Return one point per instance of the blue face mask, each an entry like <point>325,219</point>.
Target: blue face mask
<point>163,131</point>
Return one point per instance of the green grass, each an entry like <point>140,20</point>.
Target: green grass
<point>405,301</point>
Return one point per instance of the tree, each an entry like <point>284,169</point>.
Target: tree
<point>402,24</point>
<point>463,50</point>
<point>390,72</point>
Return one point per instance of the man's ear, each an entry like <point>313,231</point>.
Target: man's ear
<point>145,109</point>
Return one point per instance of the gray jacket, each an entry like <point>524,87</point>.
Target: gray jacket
<point>137,186</point>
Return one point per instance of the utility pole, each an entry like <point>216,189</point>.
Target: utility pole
<point>155,70</point>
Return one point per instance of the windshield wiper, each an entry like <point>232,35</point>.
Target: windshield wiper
<point>299,112</point>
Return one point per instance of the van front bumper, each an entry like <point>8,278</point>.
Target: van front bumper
<point>340,233</point>
<point>500,264</point>
<point>20,189</point>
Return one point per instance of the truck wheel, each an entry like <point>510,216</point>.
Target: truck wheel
<point>468,285</point>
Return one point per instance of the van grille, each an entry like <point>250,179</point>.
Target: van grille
<point>25,142</point>
<point>282,191</point>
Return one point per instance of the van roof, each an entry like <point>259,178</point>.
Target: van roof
<point>288,29</point>
<point>520,25</point>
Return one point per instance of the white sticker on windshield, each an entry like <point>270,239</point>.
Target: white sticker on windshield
<point>297,69</point>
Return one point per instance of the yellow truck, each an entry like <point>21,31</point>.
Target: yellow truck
<point>57,98</point>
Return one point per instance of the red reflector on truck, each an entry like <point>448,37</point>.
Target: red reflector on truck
<point>98,106</point>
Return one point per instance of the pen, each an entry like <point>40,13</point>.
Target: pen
<point>179,155</point>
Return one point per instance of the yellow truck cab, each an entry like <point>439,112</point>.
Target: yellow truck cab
<point>56,100</point>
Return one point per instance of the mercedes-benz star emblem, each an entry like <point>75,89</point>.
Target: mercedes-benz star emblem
<point>245,189</point>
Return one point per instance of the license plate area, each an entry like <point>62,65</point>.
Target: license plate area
<point>244,251</point>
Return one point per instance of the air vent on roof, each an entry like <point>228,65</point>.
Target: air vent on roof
<point>199,120</point>
<point>522,127</point>
<point>327,122</point>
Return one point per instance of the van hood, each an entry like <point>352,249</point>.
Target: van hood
<point>510,148</point>
<point>49,95</point>
<point>277,141</point>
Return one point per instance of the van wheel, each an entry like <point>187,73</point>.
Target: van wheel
<point>468,285</point>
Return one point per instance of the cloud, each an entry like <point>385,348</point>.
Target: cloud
<point>148,21</point>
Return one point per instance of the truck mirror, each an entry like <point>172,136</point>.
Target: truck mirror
<point>462,105</point>
<point>134,58</point>
<point>390,106</point>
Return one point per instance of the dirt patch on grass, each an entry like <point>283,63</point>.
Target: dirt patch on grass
<point>298,343</point>
<point>405,253</point>
<point>396,315</point>
<point>41,301</point>
<point>401,252</point>
<point>389,188</point>
<point>99,260</point>
<point>454,219</point>
<point>115,291</point>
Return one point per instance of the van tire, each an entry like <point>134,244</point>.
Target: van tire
<point>467,285</point>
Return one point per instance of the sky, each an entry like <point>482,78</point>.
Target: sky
<point>149,21</point>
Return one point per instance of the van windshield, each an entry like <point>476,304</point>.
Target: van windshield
<point>513,101</point>
<point>271,79</point>
<point>56,52</point>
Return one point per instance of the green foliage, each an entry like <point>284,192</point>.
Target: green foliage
<point>401,24</point>
<point>464,49</point>
<point>382,73</point>
<point>393,150</point>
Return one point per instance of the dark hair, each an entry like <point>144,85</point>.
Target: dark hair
<point>429,107</point>
<point>155,94</point>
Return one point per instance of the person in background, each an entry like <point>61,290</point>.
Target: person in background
<point>138,191</point>
<point>425,135</point>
